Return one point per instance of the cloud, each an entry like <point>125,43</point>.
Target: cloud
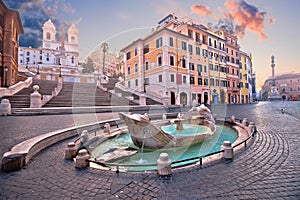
<point>202,10</point>
<point>245,17</point>
<point>35,13</point>
<point>165,7</point>
<point>237,17</point>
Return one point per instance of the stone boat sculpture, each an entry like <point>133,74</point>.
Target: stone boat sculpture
<point>148,135</point>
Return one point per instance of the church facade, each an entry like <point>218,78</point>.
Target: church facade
<point>56,57</point>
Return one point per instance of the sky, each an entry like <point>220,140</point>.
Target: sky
<point>264,27</point>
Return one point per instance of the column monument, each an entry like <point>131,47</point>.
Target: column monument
<point>273,94</point>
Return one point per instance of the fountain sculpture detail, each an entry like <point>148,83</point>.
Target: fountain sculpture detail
<point>149,135</point>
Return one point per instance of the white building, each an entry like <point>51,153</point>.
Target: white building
<point>55,57</point>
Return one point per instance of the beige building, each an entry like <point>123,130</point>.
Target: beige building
<point>287,85</point>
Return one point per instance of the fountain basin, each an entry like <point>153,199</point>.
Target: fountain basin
<point>136,161</point>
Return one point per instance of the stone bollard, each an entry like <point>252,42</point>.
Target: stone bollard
<point>36,98</point>
<point>84,136</point>
<point>5,107</point>
<point>228,150</point>
<point>81,159</point>
<point>107,128</point>
<point>70,151</point>
<point>164,167</point>
<point>245,122</point>
<point>252,127</point>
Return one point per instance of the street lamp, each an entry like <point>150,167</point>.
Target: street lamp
<point>104,47</point>
<point>59,71</point>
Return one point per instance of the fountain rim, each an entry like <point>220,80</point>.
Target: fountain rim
<point>244,136</point>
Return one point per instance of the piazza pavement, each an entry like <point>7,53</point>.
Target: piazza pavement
<point>268,168</point>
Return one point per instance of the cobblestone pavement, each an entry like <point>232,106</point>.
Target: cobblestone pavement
<point>268,169</point>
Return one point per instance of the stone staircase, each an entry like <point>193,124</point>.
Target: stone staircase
<point>86,94</point>
<point>22,98</point>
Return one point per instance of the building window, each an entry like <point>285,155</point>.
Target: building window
<point>298,89</point>
<point>160,78</point>
<point>232,71</point>
<point>191,66</point>
<point>247,85</point>
<point>199,81</point>
<point>192,80</point>
<point>72,59</point>
<point>190,48</point>
<point>205,81</point>
<point>183,63</point>
<point>183,45</point>
<point>147,65</point>
<point>172,60</point>
<point>291,89</point>
<point>135,52</point>
<point>136,82</point>
<point>28,53</point>
<point>128,70</point>
<point>217,68</point>
<point>146,48</point>
<point>128,55</point>
<point>209,42</point>
<point>172,78</point>
<point>48,36</point>
<point>291,81</point>
<point>171,42</point>
<point>211,66</point>
<point>136,68</point>
<point>159,61</point>
<point>241,84</point>
<point>199,67</point>
<point>205,69</point>
<point>198,50</point>
<point>197,39</point>
<point>158,42</point>
<point>217,82</point>
<point>184,79</point>
<point>190,33</point>
<point>128,83</point>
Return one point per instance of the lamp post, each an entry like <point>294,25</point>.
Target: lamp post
<point>6,76</point>
<point>59,71</point>
<point>104,47</point>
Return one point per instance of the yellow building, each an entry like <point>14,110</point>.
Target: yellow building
<point>245,78</point>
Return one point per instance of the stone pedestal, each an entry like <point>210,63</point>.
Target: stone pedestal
<point>84,136</point>
<point>228,150</point>
<point>142,100</point>
<point>81,159</point>
<point>36,98</point>
<point>5,107</point>
<point>70,151</point>
<point>164,167</point>
<point>107,128</point>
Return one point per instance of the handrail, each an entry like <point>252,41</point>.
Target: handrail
<point>200,158</point>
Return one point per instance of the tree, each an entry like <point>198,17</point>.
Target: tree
<point>88,67</point>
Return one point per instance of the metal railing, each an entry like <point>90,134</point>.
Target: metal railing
<point>200,158</point>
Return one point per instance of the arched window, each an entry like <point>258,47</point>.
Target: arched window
<point>73,39</point>
<point>48,36</point>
